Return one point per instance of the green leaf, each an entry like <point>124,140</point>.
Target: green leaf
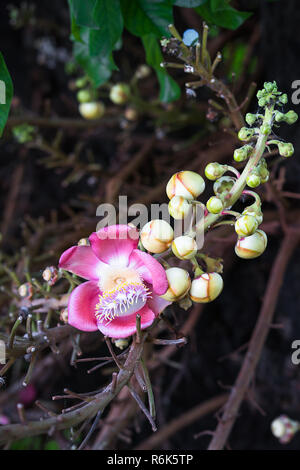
<point>98,68</point>
<point>169,89</point>
<point>82,11</point>
<point>108,18</point>
<point>6,93</point>
<point>147,16</point>
<point>189,3</point>
<point>220,13</point>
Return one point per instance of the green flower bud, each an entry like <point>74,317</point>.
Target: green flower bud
<point>265,129</point>
<point>255,211</point>
<point>81,82</point>
<point>214,205</point>
<point>214,171</point>
<point>250,119</point>
<point>291,117</point>
<point>262,102</point>
<point>252,246</point>
<point>245,133</point>
<point>246,225</point>
<point>279,116</point>
<point>206,287</point>
<point>184,247</point>
<point>270,87</point>
<point>92,110</point>
<point>253,180</point>
<point>121,343</point>
<point>179,207</point>
<point>285,149</point>
<point>283,99</point>
<point>242,153</point>
<point>84,96</point>
<point>223,186</point>
<point>264,174</point>
<point>260,94</point>
<point>119,93</point>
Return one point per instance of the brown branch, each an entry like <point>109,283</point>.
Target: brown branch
<point>257,341</point>
<point>155,440</point>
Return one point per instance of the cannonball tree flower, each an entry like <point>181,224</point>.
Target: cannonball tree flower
<point>122,282</point>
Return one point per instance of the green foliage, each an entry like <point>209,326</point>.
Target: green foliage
<point>34,443</point>
<point>6,93</point>
<point>97,27</point>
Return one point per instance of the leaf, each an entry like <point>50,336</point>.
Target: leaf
<point>144,16</point>
<point>169,89</point>
<point>82,11</point>
<point>108,18</point>
<point>98,68</point>
<point>189,3</point>
<point>6,93</point>
<point>223,14</point>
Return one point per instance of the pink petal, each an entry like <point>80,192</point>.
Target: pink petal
<point>81,307</point>
<point>81,260</point>
<point>122,327</point>
<point>114,244</point>
<point>150,270</point>
<point>157,304</point>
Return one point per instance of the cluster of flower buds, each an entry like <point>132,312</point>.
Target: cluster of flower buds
<point>284,428</point>
<point>89,106</point>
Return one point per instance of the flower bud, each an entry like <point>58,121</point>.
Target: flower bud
<point>283,99</point>
<point>245,133</point>
<point>284,428</point>
<point>64,315</point>
<point>214,171</point>
<point>250,119</point>
<point>285,149</point>
<point>179,207</point>
<point>121,343</point>
<point>242,153</point>
<point>206,287</point>
<point>26,290</point>
<point>264,174</point>
<point>92,110</point>
<point>84,96</point>
<point>223,186</point>
<point>187,184</point>
<point>50,275</point>
<point>265,129</point>
<point>84,242</point>
<point>157,235</point>
<point>252,246</point>
<point>143,71</point>
<point>291,117</point>
<point>179,284</point>
<point>214,205</point>
<point>253,180</point>
<point>246,225</point>
<point>184,247</point>
<point>131,114</point>
<point>254,211</point>
<point>119,94</point>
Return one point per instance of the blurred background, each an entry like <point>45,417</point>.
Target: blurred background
<point>54,178</point>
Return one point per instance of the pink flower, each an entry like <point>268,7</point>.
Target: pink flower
<point>122,282</point>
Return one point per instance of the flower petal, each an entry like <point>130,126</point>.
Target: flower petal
<point>81,260</point>
<point>150,270</point>
<point>81,307</point>
<point>122,327</point>
<point>157,304</point>
<point>114,244</point>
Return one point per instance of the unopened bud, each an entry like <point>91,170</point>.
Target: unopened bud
<point>223,186</point>
<point>64,315</point>
<point>157,235</point>
<point>50,275</point>
<point>285,149</point>
<point>213,171</point>
<point>119,94</point>
<point>253,180</point>
<point>131,114</point>
<point>84,96</point>
<point>242,153</point>
<point>265,129</point>
<point>143,71</point>
<point>206,287</point>
<point>184,247</point>
<point>92,110</point>
<point>250,119</point>
<point>284,428</point>
<point>179,284</point>
<point>187,184</point>
<point>214,205</point>
<point>255,211</point>
<point>121,343</point>
<point>245,133</point>
<point>252,246</point>
<point>26,290</point>
<point>246,225</point>
<point>84,242</point>
<point>179,207</point>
